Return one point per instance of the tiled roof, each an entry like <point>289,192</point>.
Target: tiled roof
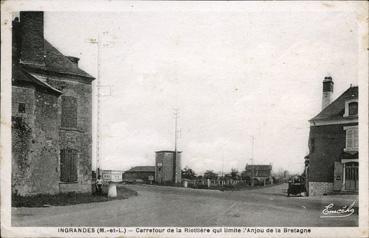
<point>55,61</point>
<point>142,169</point>
<point>336,109</point>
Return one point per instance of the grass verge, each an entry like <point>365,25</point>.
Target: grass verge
<point>71,198</point>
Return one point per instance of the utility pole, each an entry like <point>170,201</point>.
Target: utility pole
<point>176,115</point>
<point>98,118</point>
<point>252,160</point>
<point>98,43</point>
<point>221,179</point>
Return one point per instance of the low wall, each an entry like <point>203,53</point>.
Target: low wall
<point>320,188</point>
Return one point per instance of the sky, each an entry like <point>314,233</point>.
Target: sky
<point>231,74</point>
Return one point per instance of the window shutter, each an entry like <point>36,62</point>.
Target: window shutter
<point>349,139</point>
<point>69,112</point>
<point>63,166</point>
<point>355,138</point>
<point>68,165</point>
<point>352,139</point>
<point>73,166</point>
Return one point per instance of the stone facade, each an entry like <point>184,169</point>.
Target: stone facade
<point>35,141</point>
<point>42,135</point>
<point>168,169</point>
<point>78,138</point>
<point>320,188</point>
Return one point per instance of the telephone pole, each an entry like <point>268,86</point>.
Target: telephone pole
<point>98,118</point>
<point>252,160</point>
<point>176,116</point>
<point>99,45</point>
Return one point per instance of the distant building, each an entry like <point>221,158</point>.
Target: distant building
<point>261,174</point>
<point>51,114</point>
<point>333,160</point>
<point>168,167</point>
<point>139,174</point>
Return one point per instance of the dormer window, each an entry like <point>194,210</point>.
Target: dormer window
<point>351,108</point>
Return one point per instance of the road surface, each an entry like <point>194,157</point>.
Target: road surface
<point>171,206</point>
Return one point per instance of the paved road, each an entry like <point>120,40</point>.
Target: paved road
<point>169,206</point>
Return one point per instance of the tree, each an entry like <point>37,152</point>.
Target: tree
<point>188,173</point>
<point>209,174</point>
<point>234,173</point>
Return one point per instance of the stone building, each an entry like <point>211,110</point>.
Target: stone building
<point>168,167</point>
<point>333,160</point>
<point>51,114</point>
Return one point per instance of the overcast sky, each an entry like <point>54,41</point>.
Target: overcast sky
<point>231,74</point>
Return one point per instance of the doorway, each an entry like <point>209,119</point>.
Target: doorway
<point>352,176</point>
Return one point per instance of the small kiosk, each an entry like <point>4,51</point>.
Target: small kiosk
<point>112,177</point>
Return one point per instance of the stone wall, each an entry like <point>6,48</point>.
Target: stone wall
<point>79,138</point>
<point>36,151</point>
<point>320,188</point>
<point>22,138</point>
<point>35,143</point>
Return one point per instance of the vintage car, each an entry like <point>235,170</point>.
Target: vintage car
<point>296,185</point>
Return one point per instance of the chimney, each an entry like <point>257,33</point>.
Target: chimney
<point>32,49</point>
<point>16,40</point>
<point>327,91</point>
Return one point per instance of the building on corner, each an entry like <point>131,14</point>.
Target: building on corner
<point>51,114</point>
<point>333,160</point>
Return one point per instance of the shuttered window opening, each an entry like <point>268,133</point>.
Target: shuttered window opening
<point>352,139</point>
<point>69,112</point>
<point>68,165</point>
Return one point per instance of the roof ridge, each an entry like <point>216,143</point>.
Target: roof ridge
<point>333,103</point>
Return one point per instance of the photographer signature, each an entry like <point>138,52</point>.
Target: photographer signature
<point>345,211</point>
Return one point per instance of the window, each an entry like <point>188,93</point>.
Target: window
<point>21,107</point>
<point>352,138</point>
<point>353,108</point>
<point>69,112</point>
<point>68,165</point>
